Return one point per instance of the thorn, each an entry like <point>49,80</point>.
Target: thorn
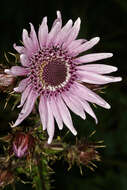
<point>92,133</point>
<point>5,55</point>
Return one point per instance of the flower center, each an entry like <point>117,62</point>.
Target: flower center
<point>51,70</point>
<point>54,73</point>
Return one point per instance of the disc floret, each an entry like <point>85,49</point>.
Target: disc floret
<point>51,70</point>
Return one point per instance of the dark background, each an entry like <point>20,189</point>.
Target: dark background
<point>104,18</point>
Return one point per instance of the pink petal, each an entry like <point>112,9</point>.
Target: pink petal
<point>34,37</point>
<point>92,57</point>
<point>88,109</point>
<point>43,32</point>
<point>22,85</point>
<point>50,124</point>
<point>85,105</point>
<point>19,49</point>
<point>65,114</point>
<point>63,33</point>
<point>27,108</point>
<point>86,46</point>
<point>8,71</point>
<point>98,68</point>
<point>56,113</point>
<point>59,19</point>
<point>59,15</point>
<point>19,151</point>
<point>89,95</point>
<point>75,44</point>
<point>24,60</point>
<point>27,41</point>
<point>17,71</point>
<point>94,78</point>
<point>24,96</point>
<point>53,33</point>
<point>73,105</point>
<point>43,110</point>
<point>73,33</point>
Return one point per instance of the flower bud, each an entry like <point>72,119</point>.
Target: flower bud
<point>84,153</point>
<point>23,144</point>
<point>86,157</point>
<point>6,82</point>
<point>6,177</point>
<point>87,153</point>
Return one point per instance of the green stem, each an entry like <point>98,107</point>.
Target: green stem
<point>13,186</point>
<point>41,185</point>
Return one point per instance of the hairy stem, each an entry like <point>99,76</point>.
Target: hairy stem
<point>42,185</point>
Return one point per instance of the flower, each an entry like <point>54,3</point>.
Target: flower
<point>23,144</point>
<point>54,71</point>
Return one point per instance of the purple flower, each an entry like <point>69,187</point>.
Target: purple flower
<point>54,71</point>
<point>23,144</point>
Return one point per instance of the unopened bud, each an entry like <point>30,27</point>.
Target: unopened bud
<point>86,157</point>
<point>87,153</point>
<point>23,144</point>
<point>6,82</point>
<point>84,153</point>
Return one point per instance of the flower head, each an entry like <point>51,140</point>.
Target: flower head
<point>23,144</point>
<point>84,153</point>
<point>54,71</point>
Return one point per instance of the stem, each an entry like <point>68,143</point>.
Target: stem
<point>40,172</point>
<point>13,186</point>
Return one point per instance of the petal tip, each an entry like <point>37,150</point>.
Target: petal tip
<point>79,20</point>
<point>49,140</point>
<point>31,25</point>
<point>60,127</point>
<point>107,106</point>
<point>24,30</point>
<point>96,121</point>
<point>97,39</point>
<point>16,89</point>
<point>110,54</point>
<point>14,45</point>
<point>14,125</point>
<point>115,69</point>
<point>118,79</point>
<point>74,132</point>
<point>7,71</point>
<point>19,106</point>
<point>45,20</point>
<point>58,14</point>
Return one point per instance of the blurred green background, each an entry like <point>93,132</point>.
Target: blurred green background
<point>108,20</point>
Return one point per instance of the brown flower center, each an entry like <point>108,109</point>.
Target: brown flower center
<point>54,73</point>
